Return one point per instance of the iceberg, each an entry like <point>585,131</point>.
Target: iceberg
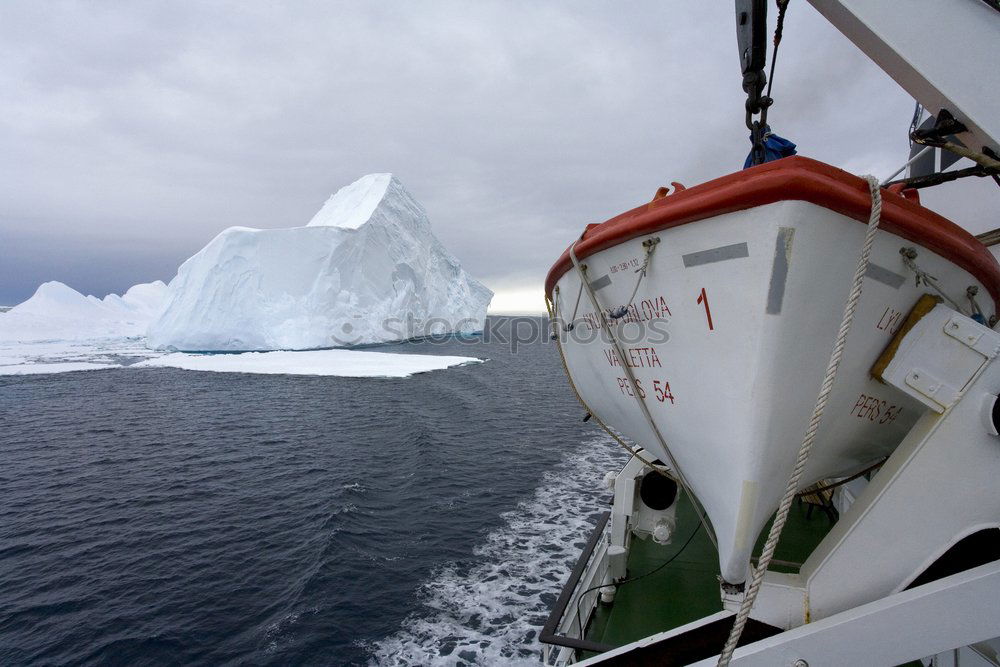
<point>366,269</point>
<point>58,312</point>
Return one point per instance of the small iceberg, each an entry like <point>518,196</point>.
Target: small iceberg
<point>58,312</point>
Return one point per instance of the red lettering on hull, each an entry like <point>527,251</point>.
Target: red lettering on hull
<point>890,320</point>
<point>635,357</point>
<point>647,310</point>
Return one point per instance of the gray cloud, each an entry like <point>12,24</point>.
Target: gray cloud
<point>133,133</point>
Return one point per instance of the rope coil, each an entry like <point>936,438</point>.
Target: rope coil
<point>781,516</point>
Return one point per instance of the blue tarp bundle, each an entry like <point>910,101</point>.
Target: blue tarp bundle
<point>775,148</point>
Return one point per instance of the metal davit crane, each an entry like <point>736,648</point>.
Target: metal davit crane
<point>944,54</point>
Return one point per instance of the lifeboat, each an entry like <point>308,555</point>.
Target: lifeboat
<point>725,299</point>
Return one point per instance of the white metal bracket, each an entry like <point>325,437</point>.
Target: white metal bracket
<point>940,356</point>
<point>936,390</point>
<point>971,334</point>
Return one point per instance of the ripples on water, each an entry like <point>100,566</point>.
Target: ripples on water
<point>165,516</point>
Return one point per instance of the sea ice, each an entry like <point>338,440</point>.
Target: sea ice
<point>366,269</point>
<point>44,368</point>
<point>343,363</point>
<point>61,356</point>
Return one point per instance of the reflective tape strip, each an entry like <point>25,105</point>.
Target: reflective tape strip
<point>720,254</point>
<point>779,270</point>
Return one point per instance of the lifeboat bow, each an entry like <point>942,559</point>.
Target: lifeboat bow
<point>705,329</point>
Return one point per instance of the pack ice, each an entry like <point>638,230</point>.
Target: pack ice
<point>366,269</point>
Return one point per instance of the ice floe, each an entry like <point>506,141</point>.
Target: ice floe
<point>50,368</point>
<point>342,363</point>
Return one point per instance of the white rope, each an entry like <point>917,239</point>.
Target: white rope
<point>971,291</point>
<point>650,246</point>
<point>576,308</point>
<point>909,255</point>
<point>817,416</point>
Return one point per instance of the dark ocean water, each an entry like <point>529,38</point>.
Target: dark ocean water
<point>160,516</point>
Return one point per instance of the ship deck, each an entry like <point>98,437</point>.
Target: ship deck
<point>686,588</point>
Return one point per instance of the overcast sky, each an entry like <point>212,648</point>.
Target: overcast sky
<point>132,133</point>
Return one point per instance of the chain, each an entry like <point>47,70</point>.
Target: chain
<point>758,103</point>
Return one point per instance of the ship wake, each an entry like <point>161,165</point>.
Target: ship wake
<point>490,610</point>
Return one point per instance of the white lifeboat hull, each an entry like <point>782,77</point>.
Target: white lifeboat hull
<point>728,337</point>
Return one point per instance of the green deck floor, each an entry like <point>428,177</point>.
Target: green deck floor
<point>688,589</point>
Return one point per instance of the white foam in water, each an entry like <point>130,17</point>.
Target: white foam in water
<point>493,613</point>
